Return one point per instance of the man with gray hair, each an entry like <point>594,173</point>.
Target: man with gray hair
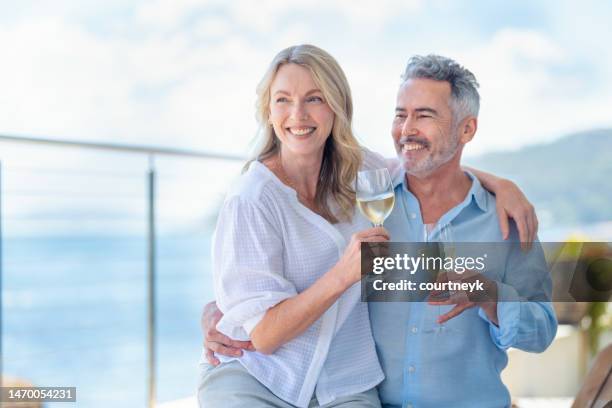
<point>450,353</point>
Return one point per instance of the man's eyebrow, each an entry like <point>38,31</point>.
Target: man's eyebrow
<point>418,110</point>
<point>427,110</point>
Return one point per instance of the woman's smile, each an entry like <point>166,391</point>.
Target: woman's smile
<point>302,130</point>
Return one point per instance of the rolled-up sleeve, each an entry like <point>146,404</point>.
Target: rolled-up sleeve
<point>525,314</point>
<point>247,266</point>
<point>528,326</point>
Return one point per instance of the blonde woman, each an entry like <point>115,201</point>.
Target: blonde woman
<point>286,252</point>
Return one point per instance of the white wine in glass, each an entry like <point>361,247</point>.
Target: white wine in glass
<point>377,209</point>
<point>375,195</point>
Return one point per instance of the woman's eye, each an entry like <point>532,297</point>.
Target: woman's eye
<point>316,99</point>
<point>281,99</point>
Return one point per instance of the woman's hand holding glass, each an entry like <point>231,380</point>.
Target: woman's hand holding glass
<point>348,268</point>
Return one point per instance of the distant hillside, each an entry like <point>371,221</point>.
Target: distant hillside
<point>569,180</point>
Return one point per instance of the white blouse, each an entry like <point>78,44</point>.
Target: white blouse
<point>269,247</point>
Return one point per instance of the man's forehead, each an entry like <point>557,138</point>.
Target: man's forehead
<point>423,90</point>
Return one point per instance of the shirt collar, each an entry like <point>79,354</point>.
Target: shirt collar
<point>476,194</point>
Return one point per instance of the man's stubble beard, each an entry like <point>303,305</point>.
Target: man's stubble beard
<point>430,164</point>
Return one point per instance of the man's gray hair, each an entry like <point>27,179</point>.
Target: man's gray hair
<point>465,99</point>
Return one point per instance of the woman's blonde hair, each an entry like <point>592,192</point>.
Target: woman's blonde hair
<point>342,154</point>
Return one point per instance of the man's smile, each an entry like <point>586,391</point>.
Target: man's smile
<point>408,147</point>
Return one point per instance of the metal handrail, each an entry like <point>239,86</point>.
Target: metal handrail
<point>147,150</point>
<point>151,152</point>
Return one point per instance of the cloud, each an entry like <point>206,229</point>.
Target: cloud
<point>63,81</point>
<point>530,91</point>
<point>267,16</point>
<point>185,76</point>
<point>213,27</point>
<point>182,73</point>
<point>168,14</point>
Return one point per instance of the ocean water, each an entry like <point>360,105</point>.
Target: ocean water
<point>74,314</point>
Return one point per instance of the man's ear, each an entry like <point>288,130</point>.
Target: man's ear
<point>467,129</point>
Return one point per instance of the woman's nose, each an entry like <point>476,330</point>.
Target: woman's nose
<point>299,111</point>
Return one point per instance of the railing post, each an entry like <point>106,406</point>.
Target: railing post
<point>151,397</point>
<point>1,276</point>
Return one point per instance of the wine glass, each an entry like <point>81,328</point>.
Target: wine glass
<point>375,195</point>
<point>443,236</point>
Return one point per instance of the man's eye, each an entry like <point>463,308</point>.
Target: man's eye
<point>400,117</point>
<point>424,116</point>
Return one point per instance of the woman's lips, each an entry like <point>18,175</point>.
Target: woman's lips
<point>302,130</point>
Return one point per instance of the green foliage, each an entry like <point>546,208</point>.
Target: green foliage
<point>600,323</point>
<point>569,180</point>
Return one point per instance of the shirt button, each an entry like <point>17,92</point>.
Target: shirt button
<point>411,369</point>
<point>414,329</point>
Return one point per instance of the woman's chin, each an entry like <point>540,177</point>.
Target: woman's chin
<point>303,149</point>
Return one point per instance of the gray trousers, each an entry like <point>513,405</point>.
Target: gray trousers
<point>230,385</point>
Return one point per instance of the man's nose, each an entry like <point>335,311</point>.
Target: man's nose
<point>408,127</point>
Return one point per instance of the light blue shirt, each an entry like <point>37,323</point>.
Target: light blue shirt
<point>461,365</point>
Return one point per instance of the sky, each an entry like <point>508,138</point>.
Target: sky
<point>182,73</point>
